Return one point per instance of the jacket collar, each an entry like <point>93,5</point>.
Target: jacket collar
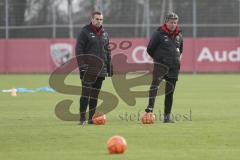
<point>97,31</point>
<point>174,33</point>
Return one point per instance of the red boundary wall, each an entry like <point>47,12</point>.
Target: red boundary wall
<point>44,55</point>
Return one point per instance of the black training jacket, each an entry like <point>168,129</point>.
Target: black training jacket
<point>89,43</point>
<point>165,48</point>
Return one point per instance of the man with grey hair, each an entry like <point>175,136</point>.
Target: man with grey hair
<point>165,47</point>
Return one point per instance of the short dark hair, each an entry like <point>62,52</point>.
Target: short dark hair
<point>95,13</point>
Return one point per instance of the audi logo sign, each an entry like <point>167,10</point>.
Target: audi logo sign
<point>140,55</point>
<point>45,55</point>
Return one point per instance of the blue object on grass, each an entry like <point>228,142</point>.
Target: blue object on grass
<point>40,89</point>
<point>24,90</point>
<point>44,89</point>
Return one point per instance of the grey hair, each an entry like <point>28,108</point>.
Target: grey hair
<point>171,15</point>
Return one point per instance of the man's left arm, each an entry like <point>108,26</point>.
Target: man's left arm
<point>109,59</point>
<point>181,46</point>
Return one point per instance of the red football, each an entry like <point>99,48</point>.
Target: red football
<point>116,145</point>
<point>99,118</point>
<point>148,118</point>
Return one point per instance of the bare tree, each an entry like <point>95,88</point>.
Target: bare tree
<point>16,12</point>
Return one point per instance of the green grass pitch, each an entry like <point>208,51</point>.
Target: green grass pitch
<point>29,129</point>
